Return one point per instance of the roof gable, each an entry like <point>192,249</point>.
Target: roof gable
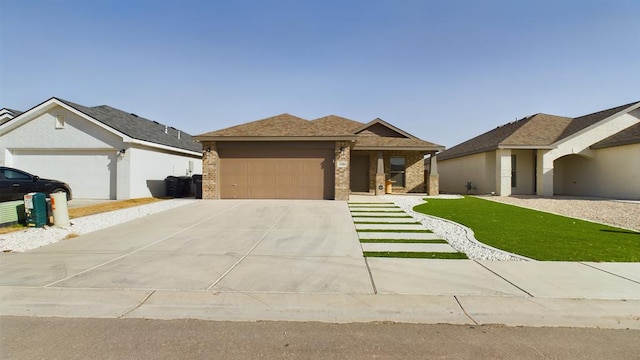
<point>120,123</point>
<point>379,127</point>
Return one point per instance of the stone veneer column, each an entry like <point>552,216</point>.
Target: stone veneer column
<point>380,177</point>
<point>433,187</point>
<point>210,162</point>
<point>342,165</point>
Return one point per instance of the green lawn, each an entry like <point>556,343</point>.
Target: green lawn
<point>537,234</point>
<point>414,255</point>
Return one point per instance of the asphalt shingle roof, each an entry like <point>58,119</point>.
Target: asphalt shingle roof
<point>538,130</point>
<point>287,125</point>
<point>630,135</point>
<point>138,127</point>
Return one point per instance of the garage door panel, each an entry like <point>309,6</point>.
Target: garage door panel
<point>91,175</point>
<point>276,173</point>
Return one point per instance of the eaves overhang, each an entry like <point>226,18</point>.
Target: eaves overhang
<point>400,148</point>
<point>526,147</point>
<point>274,138</point>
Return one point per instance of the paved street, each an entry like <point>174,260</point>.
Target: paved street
<point>58,338</point>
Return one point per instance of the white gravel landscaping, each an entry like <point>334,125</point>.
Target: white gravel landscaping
<point>459,237</point>
<point>32,238</point>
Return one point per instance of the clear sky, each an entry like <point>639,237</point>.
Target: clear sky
<point>444,71</point>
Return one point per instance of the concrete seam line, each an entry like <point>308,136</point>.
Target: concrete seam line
<point>465,311</point>
<point>140,249</point>
<point>366,263</point>
<point>503,278</point>
<point>373,283</point>
<point>608,272</point>
<point>253,247</point>
<point>137,306</point>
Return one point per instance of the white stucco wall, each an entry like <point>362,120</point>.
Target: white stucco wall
<point>612,173</point>
<point>149,168</point>
<point>41,132</point>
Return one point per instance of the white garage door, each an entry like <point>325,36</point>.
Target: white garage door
<point>91,174</point>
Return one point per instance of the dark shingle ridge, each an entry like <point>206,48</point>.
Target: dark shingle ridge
<point>138,127</point>
<point>484,142</point>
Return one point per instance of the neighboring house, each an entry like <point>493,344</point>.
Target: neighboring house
<point>287,157</point>
<point>102,152</point>
<point>592,155</point>
<point>8,114</point>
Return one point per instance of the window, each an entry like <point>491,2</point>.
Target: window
<point>397,171</point>
<point>59,121</point>
<point>513,171</point>
<point>15,175</point>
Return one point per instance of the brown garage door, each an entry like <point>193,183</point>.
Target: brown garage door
<point>283,170</point>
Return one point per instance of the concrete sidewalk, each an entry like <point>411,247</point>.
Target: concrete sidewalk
<point>298,261</point>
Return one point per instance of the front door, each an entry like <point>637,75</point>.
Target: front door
<point>359,173</point>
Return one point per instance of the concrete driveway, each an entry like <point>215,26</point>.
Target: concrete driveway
<point>297,260</point>
<point>276,246</point>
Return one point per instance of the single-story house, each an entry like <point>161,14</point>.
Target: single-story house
<point>287,157</point>
<point>593,155</point>
<point>100,151</point>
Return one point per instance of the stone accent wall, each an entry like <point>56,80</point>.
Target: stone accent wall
<point>433,187</point>
<point>414,172</point>
<point>342,179</point>
<point>210,162</point>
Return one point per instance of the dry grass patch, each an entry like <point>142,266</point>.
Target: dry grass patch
<point>11,228</point>
<point>111,206</point>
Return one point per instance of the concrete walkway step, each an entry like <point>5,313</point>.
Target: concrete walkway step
<point>394,220</point>
<point>400,247</point>
<point>397,235</point>
<point>357,214</point>
<point>390,227</point>
<point>375,209</point>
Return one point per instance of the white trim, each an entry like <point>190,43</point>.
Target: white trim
<point>164,147</point>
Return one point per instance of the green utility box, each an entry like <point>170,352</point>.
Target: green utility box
<point>35,206</point>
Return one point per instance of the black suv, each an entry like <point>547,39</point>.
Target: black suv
<point>14,184</point>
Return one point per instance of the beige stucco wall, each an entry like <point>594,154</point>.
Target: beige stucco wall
<point>525,172</point>
<point>612,172</point>
<point>477,168</point>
